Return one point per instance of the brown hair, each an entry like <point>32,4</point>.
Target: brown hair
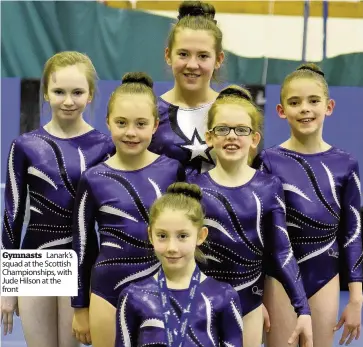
<point>65,59</point>
<point>234,94</point>
<point>183,197</point>
<point>309,70</point>
<point>197,15</point>
<point>134,83</point>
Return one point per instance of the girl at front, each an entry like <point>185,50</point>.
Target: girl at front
<point>245,213</point>
<point>117,194</point>
<point>322,190</point>
<point>178,306</point>
<point>49,162</point>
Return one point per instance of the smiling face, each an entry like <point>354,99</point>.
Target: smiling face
<point>193,58</point>
<point>175,239</point>
<point>68,92</point>
<point>305,106</point>
<point>132,123</point>
<point>231,147</point>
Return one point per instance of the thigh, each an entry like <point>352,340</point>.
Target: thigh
<point>39,320</point>
<point>102,318</point>
<point>65,317</point>
<point>282,314</point>
<point>252,328</point>
<point>324,307</point>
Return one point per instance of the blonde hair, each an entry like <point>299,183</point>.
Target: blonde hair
<point>197,15</point>
<point>309,70</point>
<point>181,196</point>
<point>134,83</point>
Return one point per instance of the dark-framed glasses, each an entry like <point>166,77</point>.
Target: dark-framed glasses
<point>224,130</point>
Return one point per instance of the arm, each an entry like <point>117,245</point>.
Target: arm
<point>231,324</point>
<point>15,197</point>
<point>262,163</point>
<point>85,242</point>
<point>127,320</point>
<point>278,248</point>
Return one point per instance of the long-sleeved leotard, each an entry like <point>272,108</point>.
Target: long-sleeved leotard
<point>181,136</point>
<point>322,193</point>
<point>119,202</point>
<point>247,225</point>
<point>215,319</point>
<point>50,167</point>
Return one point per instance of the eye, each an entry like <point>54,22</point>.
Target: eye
<point>182,54</point>
<point>141,124</point>
<point>58,91</point>
<point>293,103</point>
<point>161,236</point>
<point>183,236</point>
<point>204,56</point>
<point>315,101</point>
<point>121,123</point>
<point>78,93</point>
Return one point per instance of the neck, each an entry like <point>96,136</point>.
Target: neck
<point>180,279</point>
<point>192,98</point>
<point>67,128</point>
<point>131,162</point>
<point>232,174</point>
<point>307,144</point>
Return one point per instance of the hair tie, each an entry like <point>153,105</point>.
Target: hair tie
<point>236,92</point>
<point>321,73</point>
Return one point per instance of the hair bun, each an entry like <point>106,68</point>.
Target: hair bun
<point>195,9</point>
<point>190,190</point>
<point>312,67</point>
<point>138,77</point>
<point>236,91</point>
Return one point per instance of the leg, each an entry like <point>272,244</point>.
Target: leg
<point>252,328</point>
<point>65,317</point>
<point>102,317</point>
<point>282,315</point>
<point>324,307</point>
<point>39,320</point>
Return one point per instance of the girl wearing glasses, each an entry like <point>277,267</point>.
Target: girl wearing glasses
<point>245,215</point>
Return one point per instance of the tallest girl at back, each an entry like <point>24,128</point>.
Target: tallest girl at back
<point>194,53</point>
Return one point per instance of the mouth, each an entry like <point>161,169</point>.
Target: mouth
<point>231,147</point>
<point>191,75</point>
<point>130,143</point>
<point>306,120</point>
<point>173,259</point>
<point>68,110</point>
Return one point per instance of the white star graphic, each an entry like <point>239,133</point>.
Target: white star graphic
<point>198,149</point>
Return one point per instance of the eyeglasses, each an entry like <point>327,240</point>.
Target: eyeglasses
<point>224,130</point>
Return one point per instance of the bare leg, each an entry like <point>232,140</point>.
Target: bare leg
<point>65,317</point>
<point>252,328</point>
<point>282,315</point>
<point>102,316</point>
<point>324,307</point>
<point>39,320</point>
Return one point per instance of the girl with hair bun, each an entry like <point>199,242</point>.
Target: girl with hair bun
<point>322,191</point>
<point>178,306</point>
<point>48,163</point>
<point>245,214</point>
<point>117,194</point>
<point>194,53</point>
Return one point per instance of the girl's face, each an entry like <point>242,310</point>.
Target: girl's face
<point>305,106</point>
<point>68,92</point>
<point>235,145</point>
<point>193,59</point>
<point>175,239</point>
<point>132,123</point>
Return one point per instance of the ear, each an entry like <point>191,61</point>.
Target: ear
<point>46,98</point>
<point>156,125</point>
<point>219,60</point>
<point>202,235</point>
<point>256,138</point>
<point>280,111</point>
<point>208,139</point>
<point>330,108</point>
<point>90,98</point>
<point>167,56</point>
<point>108,124</point>
<point>149,233</point>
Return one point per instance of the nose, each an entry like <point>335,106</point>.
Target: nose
<point>68,101</point>
<point>172,246</point>
<point>192,63</point>
<point>232,135</point>
<point>130,131</point>
<point>305,107</point>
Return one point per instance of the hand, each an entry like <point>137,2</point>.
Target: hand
<point>266,319</point>
<point>9,305</point>
<point>305,329</point>
<point>351,318</point>
<point>80,326</point>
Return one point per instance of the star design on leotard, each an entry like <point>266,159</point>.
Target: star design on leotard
<point>198,148</point>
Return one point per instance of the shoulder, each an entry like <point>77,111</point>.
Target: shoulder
<point>195,177</point>
<point>264,180</point>
<point>136,290</point>
<point>344,157</point>
<point>93,171</point>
